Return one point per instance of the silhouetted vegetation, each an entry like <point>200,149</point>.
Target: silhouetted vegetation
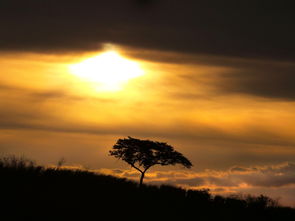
<point>31,192</point>
<point>143,154</point>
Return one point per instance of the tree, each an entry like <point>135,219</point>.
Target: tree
<point>143,154</point>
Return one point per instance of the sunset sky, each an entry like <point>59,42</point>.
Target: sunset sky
<point>214,79</point>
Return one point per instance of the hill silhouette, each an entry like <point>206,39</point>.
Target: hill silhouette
<point>30,192</point>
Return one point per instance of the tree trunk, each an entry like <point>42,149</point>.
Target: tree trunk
<point>141,179</point>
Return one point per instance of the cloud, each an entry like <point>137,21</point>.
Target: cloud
<point>232,29</point>
<point>268,80</point>
<point>259,176</point>
<point>212,78</point>
<point>201,77</point>
<point>242,169</point>
<point>31,109</point>
<point>276,180</point>
<point>35,93</point>
<point>271,176</point>
<point>35,109</point>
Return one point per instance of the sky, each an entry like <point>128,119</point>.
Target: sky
<point>214,79</point>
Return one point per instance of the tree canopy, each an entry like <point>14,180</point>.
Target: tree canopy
<point>143,154</point>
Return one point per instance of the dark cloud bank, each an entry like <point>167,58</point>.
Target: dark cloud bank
<point>267,79</point>
<point>233,28</point>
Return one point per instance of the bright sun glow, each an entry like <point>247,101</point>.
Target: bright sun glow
<point>109,70</point>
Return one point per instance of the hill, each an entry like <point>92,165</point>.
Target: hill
<point>30,192</point>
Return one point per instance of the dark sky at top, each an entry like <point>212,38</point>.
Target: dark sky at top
<point>263,29</point>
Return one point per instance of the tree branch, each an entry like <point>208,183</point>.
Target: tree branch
<point>136,168</point>
<point>146,169</point>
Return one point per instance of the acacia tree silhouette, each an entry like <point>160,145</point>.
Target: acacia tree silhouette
<point>143,154</point>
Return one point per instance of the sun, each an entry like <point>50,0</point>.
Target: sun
<point>109,70</point>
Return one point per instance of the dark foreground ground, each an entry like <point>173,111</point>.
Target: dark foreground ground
<point>30,192</point>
